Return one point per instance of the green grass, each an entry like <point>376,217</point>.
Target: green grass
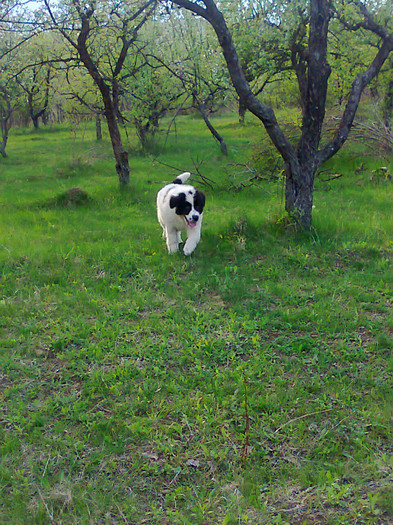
<point>248,384</point>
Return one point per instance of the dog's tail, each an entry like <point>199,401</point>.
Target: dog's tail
<point>180,179</point>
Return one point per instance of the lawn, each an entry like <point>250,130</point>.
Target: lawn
<point>250,383</point>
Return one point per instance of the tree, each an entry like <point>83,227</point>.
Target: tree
<point>37,88</point>
<point>102,34</point>
<point>151,94</point>
<point>387,112</point>
<point>188,53</point>
<point>203,76</point>
<point>313,72</point>
<point>79,96</point>
<point>10,41</point>
<point>262,44</point>
<point>6,110</point>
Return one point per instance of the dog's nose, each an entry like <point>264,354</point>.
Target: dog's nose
<point>195,218</point>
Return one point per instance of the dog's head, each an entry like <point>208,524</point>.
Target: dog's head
<point>189,204</point>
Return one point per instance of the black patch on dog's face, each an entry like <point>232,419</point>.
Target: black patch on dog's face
<point>199,201</point>
<point>180,203</point>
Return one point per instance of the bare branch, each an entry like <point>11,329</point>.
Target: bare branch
<point>242,87</point>
<point>357,89</point>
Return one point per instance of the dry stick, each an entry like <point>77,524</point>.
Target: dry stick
<point>50,514</point>
<point>155,159</point>
<point>333,177</point>
<point>302,417</point>
<point>204,179</point>
<point>247,419</point>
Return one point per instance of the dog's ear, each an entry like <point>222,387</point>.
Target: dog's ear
<point>180,203</point>
<point>199,201</point>
<point>176,200</point>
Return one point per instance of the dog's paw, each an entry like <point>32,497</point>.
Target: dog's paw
<point>188,251</point>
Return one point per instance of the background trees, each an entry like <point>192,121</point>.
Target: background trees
<point>309,56</point>
<point>134,63</point>
<point>102,34</point>
<point>38,58</point>
<point>14,34</point>
<point>196,64</point>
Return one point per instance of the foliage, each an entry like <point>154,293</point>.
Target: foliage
<point>250,383</point>
<point>264,33</point>
<point>151,94</point>
<point>188,52</point>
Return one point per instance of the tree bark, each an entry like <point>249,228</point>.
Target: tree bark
<point>34,119</point>
<point>4,139</point>
<point>121,156</point>
<point>242,111</point>
<point>98,127</point>
<point>142,130</point>
<point>3,145</point>
<point>5,116</point>
<point>299,193</point>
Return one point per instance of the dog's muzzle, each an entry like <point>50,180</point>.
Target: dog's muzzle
<point>193,221</point>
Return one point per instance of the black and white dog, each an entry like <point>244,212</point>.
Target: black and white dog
<point>180,208</point>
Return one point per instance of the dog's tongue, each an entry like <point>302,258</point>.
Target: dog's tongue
<point>192,224</point>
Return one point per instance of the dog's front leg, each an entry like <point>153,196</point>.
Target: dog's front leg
<point>192,241</point>
<point>172,241</point>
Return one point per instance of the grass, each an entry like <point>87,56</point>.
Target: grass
<point>250,383</point>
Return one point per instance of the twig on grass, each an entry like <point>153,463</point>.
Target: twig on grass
<point>333,177</point>
<point>50,514</point>
<point>174,478</point>
<point>301,417</point>
<point>246,445</point>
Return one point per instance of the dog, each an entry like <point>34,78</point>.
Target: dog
<point>180,208</point>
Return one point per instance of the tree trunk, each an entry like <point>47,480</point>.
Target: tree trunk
<point>121,156</point>
<point>142,131</point>
<point>5,126</point>
<point>4,133</point>
<point>122,168</point>
<point>212,129</point>
<point>109,101</point>
<point>3,145</point>
<point>34,119</point>
<point>242,111</point>
<point>98,127</point>
<point>299,189</point>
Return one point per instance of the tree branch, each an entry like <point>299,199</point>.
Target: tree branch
<point>242,87</point>
<point>358,86</point>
